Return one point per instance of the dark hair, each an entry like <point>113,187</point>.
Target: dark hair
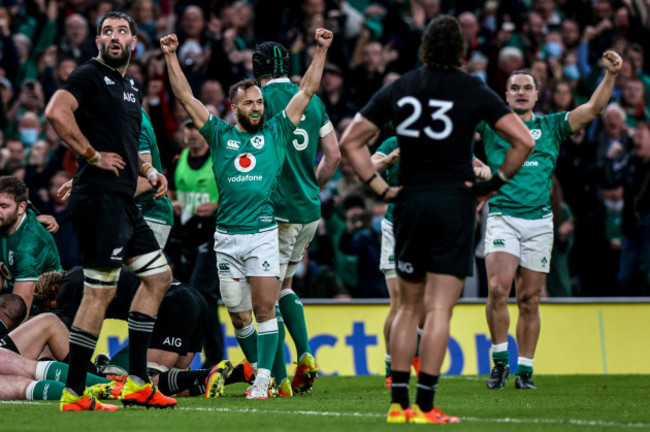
<point>117,15</point>
<point>523,72</point>
<point>14,186</point>
<point>14,308</point>
<point>353,201</point>
<point>443,44</point>
<point>243,84</point>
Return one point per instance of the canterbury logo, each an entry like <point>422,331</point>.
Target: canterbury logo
<point>499,242</point>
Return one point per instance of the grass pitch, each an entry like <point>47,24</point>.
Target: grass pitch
<point>561,403</point>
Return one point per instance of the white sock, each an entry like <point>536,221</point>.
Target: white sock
<point>500,347</point>
<point>263,375</point>
<point>41,370</point>
<point>525,361</point>
<point>387,357</point>
<point>29,394</point>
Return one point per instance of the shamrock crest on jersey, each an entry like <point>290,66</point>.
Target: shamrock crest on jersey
<point>258,141</point>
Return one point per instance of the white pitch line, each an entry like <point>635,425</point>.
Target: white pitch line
<point>375,415</point>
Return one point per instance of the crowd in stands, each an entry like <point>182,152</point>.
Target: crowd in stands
<point>602,241</point>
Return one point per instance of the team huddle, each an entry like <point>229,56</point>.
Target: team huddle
<point>261,169</point>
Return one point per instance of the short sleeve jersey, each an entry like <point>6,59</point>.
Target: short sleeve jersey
<point>155,210</point>
<point>109,117</point>
<point>296,200</point>
<point>528,194</point>
<point>28,252</point>
<point>392,173</point>
<point>434,112</point>
<point>246,167</point>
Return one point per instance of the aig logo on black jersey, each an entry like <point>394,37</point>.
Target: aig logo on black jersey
<point>129,97</point>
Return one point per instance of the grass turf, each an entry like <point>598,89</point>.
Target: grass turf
<point>564,403</point>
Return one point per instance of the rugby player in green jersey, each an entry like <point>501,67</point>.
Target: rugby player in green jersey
<point>27,249</point>
<point>157,213</point>
<point>296,202</point>
<point>247,160</point>
<point>519,235</point>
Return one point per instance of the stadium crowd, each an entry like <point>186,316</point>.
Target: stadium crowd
<point>602,228</point>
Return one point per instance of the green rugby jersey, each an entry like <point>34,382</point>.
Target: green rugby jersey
<point>296,200</point>
<point>28,252</point>
<point>528,194</point>
<point>246,167</point>
<point>385,148</point>
<point>155,210</point>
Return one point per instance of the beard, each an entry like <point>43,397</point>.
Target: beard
<point>8,221</point>
<point>246,123</point>
<point>115,61</point>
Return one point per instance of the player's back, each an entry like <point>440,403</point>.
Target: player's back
<point>434,112</point>
<point>296,197</point>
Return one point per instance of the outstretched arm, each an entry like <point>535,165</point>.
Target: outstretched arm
<point>311,80</point>
<point>581,116</point>
<point>181,88</point>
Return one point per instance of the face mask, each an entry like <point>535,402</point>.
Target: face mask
<point>482,75</point>
<point>29,136</point>
<point>553,49</point>
<point>614,206</point>
<point>376,224</point>
<point>571,72</point>
<point>138,51</point>
<point>491,23</point>
<point>300,270</point>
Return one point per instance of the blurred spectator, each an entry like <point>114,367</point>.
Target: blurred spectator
<point>12,156</point>
<point>529,40</point>
<point>570,31</point>
<point>52,204</point>
<point>634,102</point>
<point>360,240</point>
<point>561,97</point>
<point>29,129</point>
<point>212,94</point>
<point>366,78</point>
<point>550,15</point>
<point>77,41</point>
<point>613,141</point>
<point>558,282</point>
<point>634,271</point>
<point>333,96</point>
<point>30,98</point>
<point>315,281</point>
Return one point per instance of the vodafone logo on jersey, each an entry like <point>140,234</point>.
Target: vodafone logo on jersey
<point>245,162</point>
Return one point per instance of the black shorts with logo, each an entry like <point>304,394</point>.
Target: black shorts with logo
<point>180,326</point>
<point>109,229</point>
<point>434,231</point>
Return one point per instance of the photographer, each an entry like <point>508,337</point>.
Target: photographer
<point>360,241</point>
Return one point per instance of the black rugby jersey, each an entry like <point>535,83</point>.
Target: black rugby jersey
<point>434,112</point>
<point>109,117</point>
